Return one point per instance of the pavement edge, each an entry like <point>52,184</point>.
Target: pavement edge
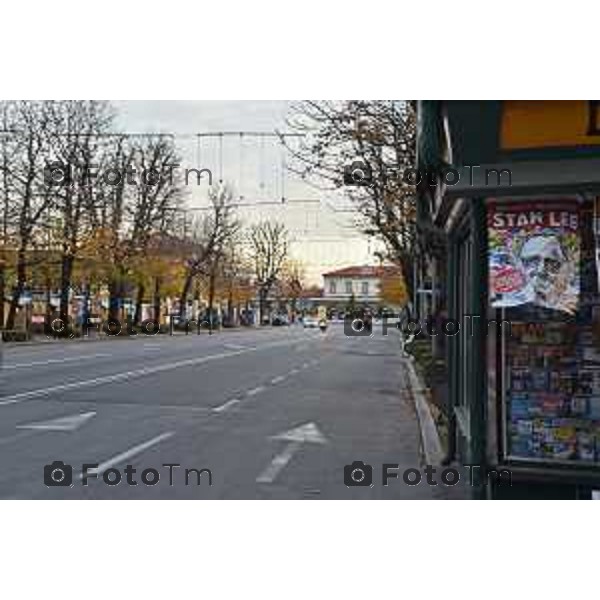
<point>430,439</point>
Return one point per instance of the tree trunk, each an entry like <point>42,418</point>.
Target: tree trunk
<point>85,313</point>
<point>211,299</point>
<point>2,269</point>
<point>157,299</point>
<point>230,308</point>
<point>18,289</point>
<point>262,300</point>
<point>184,294</point>
<point>114,302</point>
<point>65,283</point>
<point>137,317</point>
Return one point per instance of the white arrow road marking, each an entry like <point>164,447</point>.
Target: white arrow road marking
<point>107,464</point>
<point>278,463</point>
<point>296,437</point>
<point>69,423</point>
<point>308,432</point>
<point>225,406</point>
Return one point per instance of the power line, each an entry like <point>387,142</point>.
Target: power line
<point>275,134</point>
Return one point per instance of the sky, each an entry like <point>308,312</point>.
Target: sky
<point>322,229</point>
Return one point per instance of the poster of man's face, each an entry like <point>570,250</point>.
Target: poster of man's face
<point>547,269</point>
<point>543,244</point>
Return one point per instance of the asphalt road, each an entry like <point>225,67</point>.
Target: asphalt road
<point>274,413</point>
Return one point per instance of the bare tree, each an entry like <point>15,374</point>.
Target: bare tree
<point>76,146</point>
<point>208,239</point>
<point>269,247</point>
<point>367,147</point>
<point>157,196</point>
<point>139,205</point>
<point>293,279</point>
<point>26,197</point>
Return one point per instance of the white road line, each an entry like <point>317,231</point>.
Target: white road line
<point>14,398</point>
<point>225,406</point>
<point>66,423</point>
<point>294,371</point>
<point>305,365</point>
<point>277,379</point>
<point>52,361</point>
<point>107,464</point>
<point>255,390</point>
<point>278,463</point>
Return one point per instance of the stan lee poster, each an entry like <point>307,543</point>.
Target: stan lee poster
<point>534,255</point>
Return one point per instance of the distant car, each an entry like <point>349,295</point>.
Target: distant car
<point>310,322</point>
<point>280,320</point>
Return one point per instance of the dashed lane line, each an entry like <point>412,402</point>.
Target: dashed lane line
<point>223,407</point>
<point>256,390</point>
<point>127,375</point>
<point>107,464</point>
<point>52,361</point>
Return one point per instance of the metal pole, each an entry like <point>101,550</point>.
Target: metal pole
<point>477,389</point>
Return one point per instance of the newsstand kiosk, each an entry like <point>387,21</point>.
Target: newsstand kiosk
<point>523,231</point>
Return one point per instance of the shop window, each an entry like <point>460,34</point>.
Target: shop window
<point>549,387</point>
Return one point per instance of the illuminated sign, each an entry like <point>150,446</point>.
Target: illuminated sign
<point>549,124</point>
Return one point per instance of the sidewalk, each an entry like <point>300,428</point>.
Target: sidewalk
<point>432,451</point>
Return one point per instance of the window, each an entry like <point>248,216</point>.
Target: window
<point>332,287</point>
<point>348,287</point>
<point>365,288</point>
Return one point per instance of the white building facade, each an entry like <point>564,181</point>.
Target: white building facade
<point>362,283</point>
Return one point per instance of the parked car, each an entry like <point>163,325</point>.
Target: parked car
<point>310,322</point>
<point>280,320</point>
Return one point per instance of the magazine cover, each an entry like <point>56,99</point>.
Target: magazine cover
<point>534,254</point>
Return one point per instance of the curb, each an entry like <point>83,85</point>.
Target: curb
<point>432,446</point>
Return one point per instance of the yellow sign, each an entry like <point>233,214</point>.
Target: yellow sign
<point>549,124</point>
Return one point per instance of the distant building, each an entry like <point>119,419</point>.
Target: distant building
<point>358,284</point>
